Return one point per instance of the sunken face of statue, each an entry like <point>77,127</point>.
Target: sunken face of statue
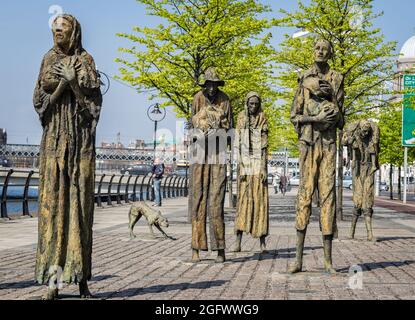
<point>253,105</point>
<point>322,51</point>
<point>62,31</point>
<point>211,88</point>
<point>365,129</point>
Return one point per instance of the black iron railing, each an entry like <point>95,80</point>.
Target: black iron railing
<point>109,189</point>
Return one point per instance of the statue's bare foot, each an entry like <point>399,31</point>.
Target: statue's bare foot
<point>263,244</point>
<point>195,256</point>
<point>51,295</point>
<point>372,239</point>
<point>238,242</point>
<point>329,268</point>
<point>295,268</point>
<point>237,248</point>
<point>84,291</point>
<point>221,257</point>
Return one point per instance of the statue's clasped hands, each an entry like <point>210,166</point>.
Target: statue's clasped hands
<point>326,115</point>
<point>67,72</point>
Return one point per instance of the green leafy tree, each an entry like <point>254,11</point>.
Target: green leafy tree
<point>231,35</point>
<point>360,54</point>
<point>391,150</point>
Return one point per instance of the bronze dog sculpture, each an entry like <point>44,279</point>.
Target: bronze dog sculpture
<point>154,218</point>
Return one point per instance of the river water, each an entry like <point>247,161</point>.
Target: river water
<point>15,202</point>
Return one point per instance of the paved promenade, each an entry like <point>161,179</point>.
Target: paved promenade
<point>161,269</point>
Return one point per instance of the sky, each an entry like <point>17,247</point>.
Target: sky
<point>26,37</point>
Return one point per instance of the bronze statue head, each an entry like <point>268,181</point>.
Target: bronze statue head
<point>253,103</point>
<point>323,51</point>
<point>162,221</point>
<point>365,128</point>
<point>67,34</point>
<point>211,88</point>
<point>212,82</point>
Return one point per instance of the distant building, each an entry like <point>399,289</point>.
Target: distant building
<point>112,145</point>
<point>137,144</point>
<point>405,65</point>
<point>3,136</point>
<point>406,61</point>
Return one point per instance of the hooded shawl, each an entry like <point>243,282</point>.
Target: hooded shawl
<point>252,148</point>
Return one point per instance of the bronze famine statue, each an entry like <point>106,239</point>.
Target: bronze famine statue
<point>68,100</point>
<point>252,214</point>
<point>211,112</point>
<point>316,113</point>
<point>362,140</point>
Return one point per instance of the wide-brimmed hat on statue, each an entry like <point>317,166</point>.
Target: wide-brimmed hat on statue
<point>211,76</point>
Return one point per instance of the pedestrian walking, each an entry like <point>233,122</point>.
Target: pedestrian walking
<point>158,172</point>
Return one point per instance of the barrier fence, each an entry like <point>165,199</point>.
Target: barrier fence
<point>19,186</point>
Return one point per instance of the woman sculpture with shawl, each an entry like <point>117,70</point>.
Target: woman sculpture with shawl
<point>252,146</point>
<point>68,100</point>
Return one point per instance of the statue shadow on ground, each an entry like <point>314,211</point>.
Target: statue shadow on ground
<point>286,253</point>
<point>370,266</point>
<point>151,239</point>
<point>103,277</point>
<point>31,283</point>
<point>19,285</point>
<point>384,239</point>
<point>160,288</point>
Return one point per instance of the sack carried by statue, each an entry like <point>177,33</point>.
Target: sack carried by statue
<point>322,103</point>
<point>209,118</point>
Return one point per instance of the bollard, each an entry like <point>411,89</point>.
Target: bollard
<point>4,195</point>
<point>99,199</point>
<point>26,194</point>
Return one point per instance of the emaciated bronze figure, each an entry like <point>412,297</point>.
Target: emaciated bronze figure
<point>316,113</point>
<point>211,112</point>
<point>68,100</point>
<point>252,213</point>
<point>362,140</point>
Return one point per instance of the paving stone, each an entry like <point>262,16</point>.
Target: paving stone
<point>160,269</point>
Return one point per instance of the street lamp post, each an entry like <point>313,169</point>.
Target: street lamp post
<point>156,114</point>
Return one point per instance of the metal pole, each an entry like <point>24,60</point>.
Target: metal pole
<point>155,138</point>
<point>405,184</point>
<point>286,163</point>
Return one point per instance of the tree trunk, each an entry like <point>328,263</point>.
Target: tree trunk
<point>391,181</point>
<point>399,184</point>
<point>339,197</point>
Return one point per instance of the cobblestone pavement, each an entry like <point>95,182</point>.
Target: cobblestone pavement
<point>161,269</point>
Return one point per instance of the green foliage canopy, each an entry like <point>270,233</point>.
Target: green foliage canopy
<point>231,35</point>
